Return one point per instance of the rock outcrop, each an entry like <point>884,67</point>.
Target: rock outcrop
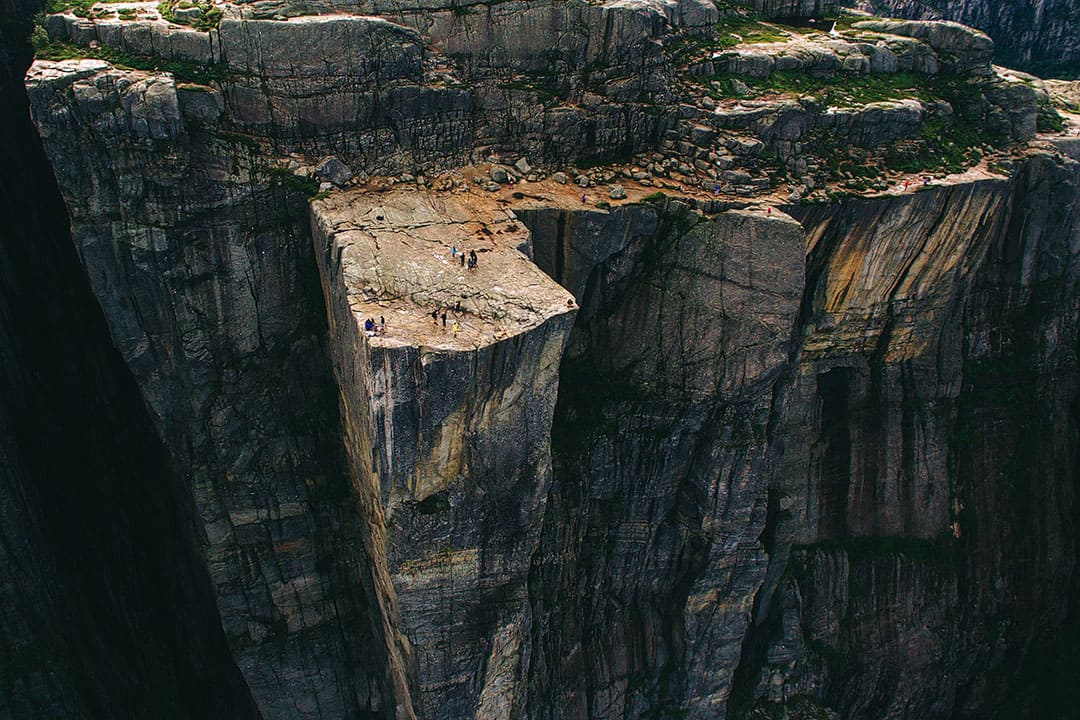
<point>447,423</point>
<point>1037,35</point>
<point>675,446</point>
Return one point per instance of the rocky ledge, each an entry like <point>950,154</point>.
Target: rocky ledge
<point>446,407</point>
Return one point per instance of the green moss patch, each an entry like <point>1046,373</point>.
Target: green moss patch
<point>46,49</point>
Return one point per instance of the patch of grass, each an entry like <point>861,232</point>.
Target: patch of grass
<point>538,86</point>
<point>951,146</point>
<point>286,180</point>
<point>803,707</point>
<point>79,8</point>
<point>208,20</point>
<point>236,138</point>
<point>743,29</point>
<point>1048,119</point>
<point>654,197</point>
<point>838,91</point>
<point>46,49</point>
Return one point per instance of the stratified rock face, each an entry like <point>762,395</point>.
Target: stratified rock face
<point>650,558</point>
<point>920,486</point>
<point>967,51</point>
<point>447,423</point>
<point>106,607</point>
<point>1036,34</point>
<point>204,270</point>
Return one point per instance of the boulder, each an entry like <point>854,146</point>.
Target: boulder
<point>964,50</point>
<point>334,170</point>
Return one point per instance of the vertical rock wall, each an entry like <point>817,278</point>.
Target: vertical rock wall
<point>650,557</point>
<point>106,608</point>
<point>927,491</point>
<point>448,443</point>
<point>203,268</point>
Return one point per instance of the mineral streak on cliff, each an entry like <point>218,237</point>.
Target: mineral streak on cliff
<point>752,439</point>
<point>920,493</point>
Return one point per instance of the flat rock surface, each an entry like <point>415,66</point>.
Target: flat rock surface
<point>397,251</point>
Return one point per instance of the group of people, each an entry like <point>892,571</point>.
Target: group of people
<point>372,328</point>
<point>435,317</point>
<point>471,259</point>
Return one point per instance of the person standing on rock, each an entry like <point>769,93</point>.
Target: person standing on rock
<point>462,259</point>
<point>456,328</point>
<point>435,316</point>
<point>444,319</point>
<point>472,259</point>
<point>453,251</point>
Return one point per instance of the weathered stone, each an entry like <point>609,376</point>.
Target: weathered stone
<point>967,51</point>
<point>334,170</point>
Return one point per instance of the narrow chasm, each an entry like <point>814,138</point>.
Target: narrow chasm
<point>108,609</point>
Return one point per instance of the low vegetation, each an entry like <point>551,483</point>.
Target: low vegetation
<point>844,90</point>
<point>47,49</point>
<point>737,29</point>
<point>79,8</point>
<point>207,18</point>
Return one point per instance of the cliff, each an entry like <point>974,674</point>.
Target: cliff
<point>1036,35</point>
<point>761,399</point>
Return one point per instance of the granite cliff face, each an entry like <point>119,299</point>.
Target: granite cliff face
<point>1037,35</point>
<point>733,417</point>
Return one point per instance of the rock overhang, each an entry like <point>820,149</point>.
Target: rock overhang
<point>403,255</point>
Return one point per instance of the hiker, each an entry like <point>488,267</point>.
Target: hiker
<point>582,197</point>
<point>472,259</point>
<point>462,259</point>
<point>457,306</point>
<point>369,327</point>
<point>716,190</point>
<point>455,328</point>
<point>444,318</point>
<point>435,316</point>
<point>382,325</point>
<point>453,251</point>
